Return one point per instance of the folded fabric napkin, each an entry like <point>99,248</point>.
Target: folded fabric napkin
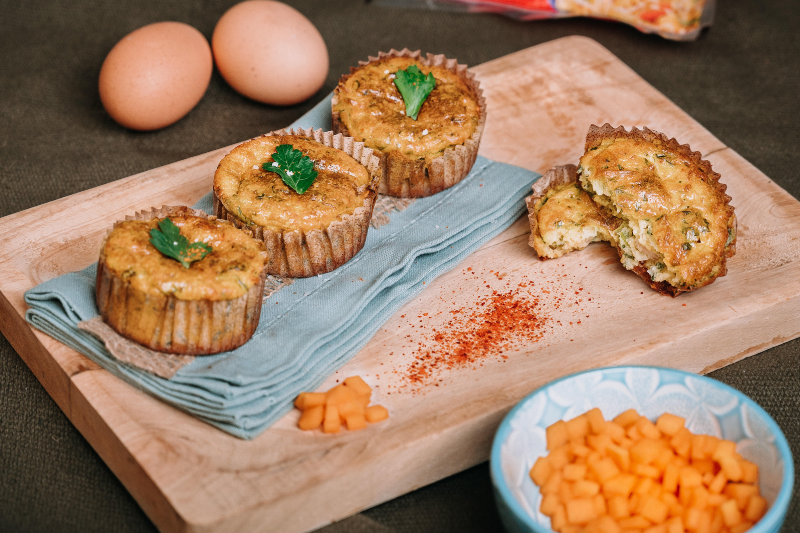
<point>310,328</point>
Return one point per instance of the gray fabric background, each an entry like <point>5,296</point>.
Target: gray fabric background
<point>741,80</point>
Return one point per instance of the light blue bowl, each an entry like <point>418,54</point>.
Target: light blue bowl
<point>709,407</point>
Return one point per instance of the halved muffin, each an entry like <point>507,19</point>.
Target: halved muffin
<point>563,216</point>
<point>677,225</point>
<point>310,233</point>
<point>423,156</point>
<point>213,305</point>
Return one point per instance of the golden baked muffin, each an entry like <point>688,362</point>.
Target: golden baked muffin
<point>203,300</point>
<point>563,216</point>
<point>677,225</point>
<point>312,231</point>
<point>421,156</point>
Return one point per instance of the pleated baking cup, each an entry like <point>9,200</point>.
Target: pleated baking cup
<point>302,254</point>
<point>164,323</point>
<point>410,177</point>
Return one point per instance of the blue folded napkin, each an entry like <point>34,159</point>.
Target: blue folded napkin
<point>310,328</point>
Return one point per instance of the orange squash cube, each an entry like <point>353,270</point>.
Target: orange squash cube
<point>599,442</point>
<point>596,420</point>
<point>669,424</point>
<point>675,525</point>
<point>559,518</point>
<point>331,423</point>
<point>634,522</point>
<point>584,488</point>
<point>756,508</point>
<point>376,413</point>
<point>580,511</point>
<point>689,477</point>
<point>355,420</point>
<point>670,479</point>
<point>578,428</point>
<point>654,509</point>
<point>604,469</point>
<point>541,471</point>
<point>621,485</point>
<point>618,507</point>
<point>311,418</point>
<point>340,394</point>
<point>615,431</point>
<point>645,451</point>
<point>647,429</point>
<point>628,418</point>
<point>730,467</point>
<point>573,472</point>
<point>749,471</point>
<point>620,456</point>
<point>557,435</point>
<point>307,400</point>
<point>741,528</point>
<point>549,505</point>
<point>730,513</point>
<point>358,385</point>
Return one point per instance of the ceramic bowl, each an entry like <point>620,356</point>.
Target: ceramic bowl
<point>709,407</point>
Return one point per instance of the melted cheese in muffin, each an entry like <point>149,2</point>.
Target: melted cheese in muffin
<point>372,110</point>
<point>232,267</point>
<point>568,219</point>
<point>257,196</point>
<point>676,221</point>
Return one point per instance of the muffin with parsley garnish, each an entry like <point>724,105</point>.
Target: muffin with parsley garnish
<point>178,281</point>
<point>423,116</point>
<point>307,194</point>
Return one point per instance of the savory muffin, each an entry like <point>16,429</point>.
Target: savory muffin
<point>563,216</point>
<point>677,225</point>
<point>309,232</point>
<point>205,299</point>
<point>419,156</point>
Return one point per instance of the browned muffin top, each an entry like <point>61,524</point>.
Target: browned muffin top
<point>372,110</point>
<point>229,271</point>
<point>257,196</point>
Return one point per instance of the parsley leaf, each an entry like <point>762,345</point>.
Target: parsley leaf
<point>414,88</point>
<point>168,240</point>
<point>296,169</point>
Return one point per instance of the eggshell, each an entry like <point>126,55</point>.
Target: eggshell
<point>155,75</point>
<point>270,52</point>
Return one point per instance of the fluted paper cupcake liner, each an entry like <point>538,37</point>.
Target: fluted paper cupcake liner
<point>167,324</point>
<point>414,178</point>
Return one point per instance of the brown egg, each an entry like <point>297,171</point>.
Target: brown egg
<point>155,75</point>
<point>270,52</point>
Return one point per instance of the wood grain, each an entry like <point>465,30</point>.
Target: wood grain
<point>188,476</point>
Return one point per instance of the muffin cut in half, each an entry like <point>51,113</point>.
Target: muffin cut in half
<point>662,205</point>
<point>305,234</point>
<point>213,305</point>
<point>563,216</point>
<point>418,157</point>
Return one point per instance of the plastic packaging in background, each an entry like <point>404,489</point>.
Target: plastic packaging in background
<point>679,20</point>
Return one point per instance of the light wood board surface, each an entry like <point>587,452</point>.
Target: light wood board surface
<point>188,476</point>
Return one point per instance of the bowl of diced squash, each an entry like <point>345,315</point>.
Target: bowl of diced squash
<point>640,449</point>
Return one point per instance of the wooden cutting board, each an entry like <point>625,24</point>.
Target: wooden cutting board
<point>188,476</point>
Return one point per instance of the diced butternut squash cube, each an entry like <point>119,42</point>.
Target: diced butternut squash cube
<point>307,400</point>
<point>698,447</point>
<point>645,451</point>
<point>565,491</point>
<point>647,429</point>
<point>645,470</point>
<point>692,518</point>
<point>559,518</point>
<point>654,509</point>
<point>618,507</point>
<point>730,467</point>
<point>634,522</point>
<point>658,528</point>
<point>670,479</point>
<point>573,472</point>
<point>708,477</point>
<point>749,471</point>
<point>553,483</point>
<point>600,504</point>
<point>681,442</point>
<point>549,505</point>
<point>596,420</point>
<point>583,488</point>
<point>376,413</point>
<point>724,448</point>
<point>669,424</point>
<point>580,511</point>
<point>578,428</point>
<point>604,469</point>
<point>675,525</point>
<point>358,385</point>
<point>741,528</point>
<point>557,435</point>
<point>620,456</point>
<point>643,485</point>
<point>599,442</point>
<point>628,418</point>
<point>699,498</point>
<point>579,450</point>
<point>730,513</point>
<point>689,477</point>
<point>311,418</point>
<point>621,485</point>
<point>355,420</point>
<point>756,508</point>
<point>559,457</point>
<point>664,458</point>
<point>669,498</point>
<point>603,524</point>
<point>632,432</point>
<point>541,471</point>
<point>715,500</point>
<point>741,492</point>
<point>331,423</point>
<point>615,431</point>
<point>340,394</point>
<point>718,484</point>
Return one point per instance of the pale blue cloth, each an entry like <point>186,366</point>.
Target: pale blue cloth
<point>312,327</point>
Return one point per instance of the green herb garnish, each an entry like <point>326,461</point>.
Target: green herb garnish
<point>414,87</point>
<point>171,243</point>
<point>295,169</point>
